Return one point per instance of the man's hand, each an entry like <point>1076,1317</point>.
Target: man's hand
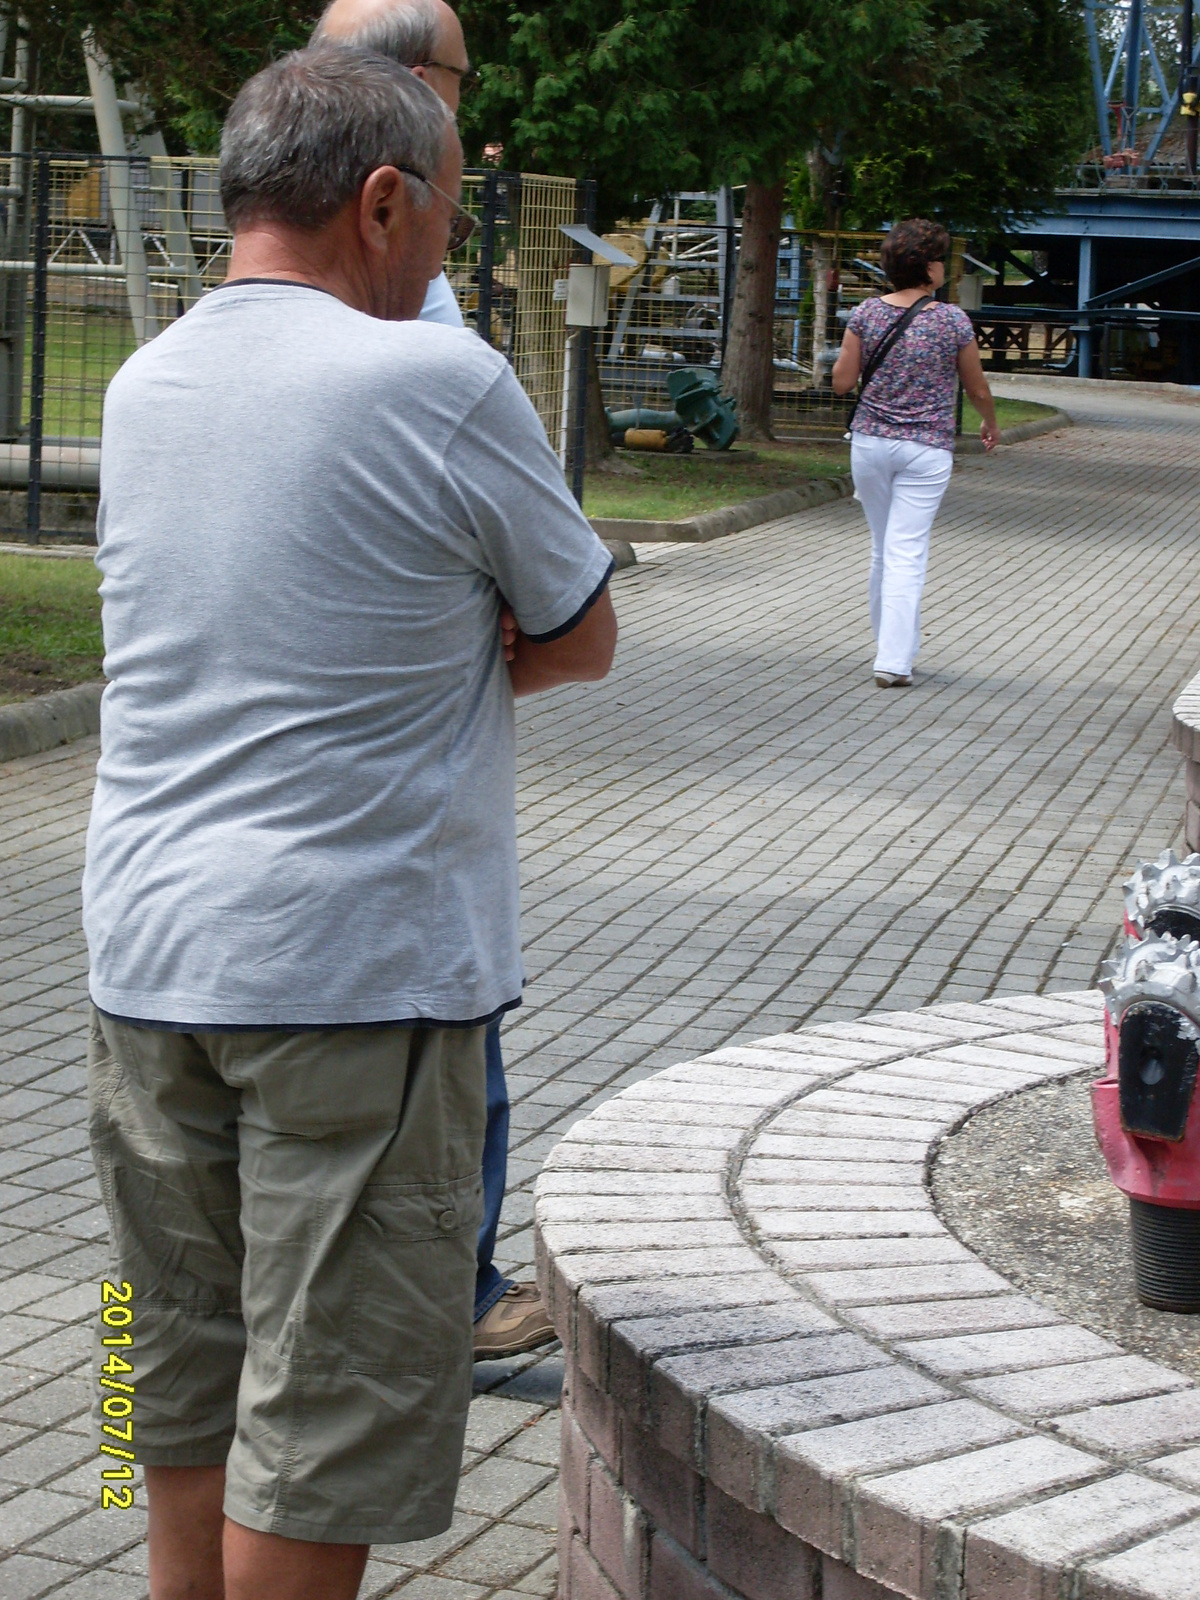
<point>582,656</point>
<point>508,632</point>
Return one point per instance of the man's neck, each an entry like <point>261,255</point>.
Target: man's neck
<point>268,251</point>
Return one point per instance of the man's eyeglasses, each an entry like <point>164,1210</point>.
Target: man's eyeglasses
<point>468,78</point>
<point>462,223</point>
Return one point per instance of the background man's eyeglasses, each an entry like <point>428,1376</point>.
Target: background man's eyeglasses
<point>462,223</point>
<point>468,78</point>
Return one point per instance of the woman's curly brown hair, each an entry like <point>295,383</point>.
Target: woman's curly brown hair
<point>908,250</point>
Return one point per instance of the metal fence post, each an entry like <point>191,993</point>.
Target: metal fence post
<point>581,366</point>
<point>37,373</point>
<point>487,255</point>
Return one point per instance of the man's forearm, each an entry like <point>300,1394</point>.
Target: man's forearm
<point>582,656</point>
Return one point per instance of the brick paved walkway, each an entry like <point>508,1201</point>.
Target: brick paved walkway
<point>736,834</point>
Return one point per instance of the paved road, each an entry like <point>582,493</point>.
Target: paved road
<point>736,834</point>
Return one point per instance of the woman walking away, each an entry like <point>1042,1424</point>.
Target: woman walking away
<point>907,348</point>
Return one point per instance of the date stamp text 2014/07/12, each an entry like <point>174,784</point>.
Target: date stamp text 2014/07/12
<point>117,1396</point>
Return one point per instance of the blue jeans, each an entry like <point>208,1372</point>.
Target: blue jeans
<point>489,1285</point>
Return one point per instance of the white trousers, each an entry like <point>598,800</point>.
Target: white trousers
<point>900,485</point>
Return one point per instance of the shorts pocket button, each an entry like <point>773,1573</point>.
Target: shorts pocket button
<point>448,1221</point>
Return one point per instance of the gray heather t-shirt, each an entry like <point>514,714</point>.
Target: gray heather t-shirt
<point>304,812</point>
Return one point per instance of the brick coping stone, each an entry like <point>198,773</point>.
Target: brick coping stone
<point>787,1380</point>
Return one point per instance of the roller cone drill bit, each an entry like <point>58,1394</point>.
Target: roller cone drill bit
<point>1163,896</point>
<point>1159,970</point>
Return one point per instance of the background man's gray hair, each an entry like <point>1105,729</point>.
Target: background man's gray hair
<point>406,31</point>
<point>305,133</point>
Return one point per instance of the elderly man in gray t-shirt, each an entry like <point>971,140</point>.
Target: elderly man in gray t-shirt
<point>300,895</point>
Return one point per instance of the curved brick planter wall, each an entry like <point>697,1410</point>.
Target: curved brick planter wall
<point>787,1381</point>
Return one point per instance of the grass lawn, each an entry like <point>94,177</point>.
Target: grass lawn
<point>668,487</point>
<point>49,624</point>
<point>1009,413</point>
<point>665,488</point>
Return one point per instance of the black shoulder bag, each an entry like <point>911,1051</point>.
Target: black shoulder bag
<point>881,352</point>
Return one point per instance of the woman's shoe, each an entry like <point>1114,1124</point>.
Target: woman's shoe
<point>894,680</point>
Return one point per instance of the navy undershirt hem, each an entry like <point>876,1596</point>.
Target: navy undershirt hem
<point>159,1026</point>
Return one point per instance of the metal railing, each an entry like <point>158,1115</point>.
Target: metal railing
<point>99,254</point>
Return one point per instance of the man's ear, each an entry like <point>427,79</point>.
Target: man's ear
<point>382,207</point>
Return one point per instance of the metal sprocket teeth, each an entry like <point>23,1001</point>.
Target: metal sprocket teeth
<point>1162,885</point>
<point>1158,968</point>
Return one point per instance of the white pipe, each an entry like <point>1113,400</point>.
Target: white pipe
<point>120,189</point>
<point>164,182</point>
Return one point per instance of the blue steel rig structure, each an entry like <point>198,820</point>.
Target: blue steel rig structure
<point>1115,285</point>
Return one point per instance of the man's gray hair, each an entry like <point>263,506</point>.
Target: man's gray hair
<point>407,31</point>
<point>304,134</point>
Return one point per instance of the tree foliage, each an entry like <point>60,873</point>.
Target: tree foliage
<point>651,96</point>
<point>974,118</point>
<point>190,56</point>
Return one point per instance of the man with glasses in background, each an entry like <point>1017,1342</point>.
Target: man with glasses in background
<point>426,36</point>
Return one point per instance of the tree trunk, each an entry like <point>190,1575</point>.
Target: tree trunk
<point>749,371</point>
<point>598,446</point>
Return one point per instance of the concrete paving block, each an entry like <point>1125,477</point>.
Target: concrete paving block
<point>1134,1425</point>
<point>893,1084</point>
<point>680,1386</point>
<point>501,1553</point>
<point>1022,1554</point>
<point>829,1254</point>
<point>684,1090</point>
<point>741,1427</point>
<point>599,1306</point>
<point>619,1533</point>
<point>773,1226</point>
<point>814,1471</point>
<point>644,1133</point>
<point>1166,1567</point>
<point>1183,1467</point>
<point>770,1161</point>
<point>1046,1391</point>
<point>497,1484</point>
<point>832,1196</point>
<point>581,1156</point>
<point>554,1181</point>
<point>673,1494</point>
<point>636,1344</point>
<point>755,1556</point>
<point>924,1319</point>
<point>907,1524</point>
<point>635,1208</point>
<point>676,1575</point>
<point>569,1238</point>
<point>811,1147</point>
<point>863,1103</point>
<point>801,1118</point>
<point>93,1537</point>
<point>894,1285</point>
<point>970,1354</point>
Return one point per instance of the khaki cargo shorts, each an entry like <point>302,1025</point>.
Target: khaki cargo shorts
<point>297,1215</point>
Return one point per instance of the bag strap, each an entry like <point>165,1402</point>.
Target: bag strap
<point>890,338</point>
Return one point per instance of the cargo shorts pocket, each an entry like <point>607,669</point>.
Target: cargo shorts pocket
<point>414,1275</point>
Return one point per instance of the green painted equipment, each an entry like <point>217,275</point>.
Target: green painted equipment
<point>700,407</point>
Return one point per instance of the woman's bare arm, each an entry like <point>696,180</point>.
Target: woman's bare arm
<point>848,364</point>
<point>970,372</point>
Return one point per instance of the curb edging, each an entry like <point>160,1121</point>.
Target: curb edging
<point>967,445</point>
<point>727,519</point>
<point>32,726</point>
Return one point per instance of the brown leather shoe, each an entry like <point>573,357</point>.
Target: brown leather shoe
<point>515,1324</point>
